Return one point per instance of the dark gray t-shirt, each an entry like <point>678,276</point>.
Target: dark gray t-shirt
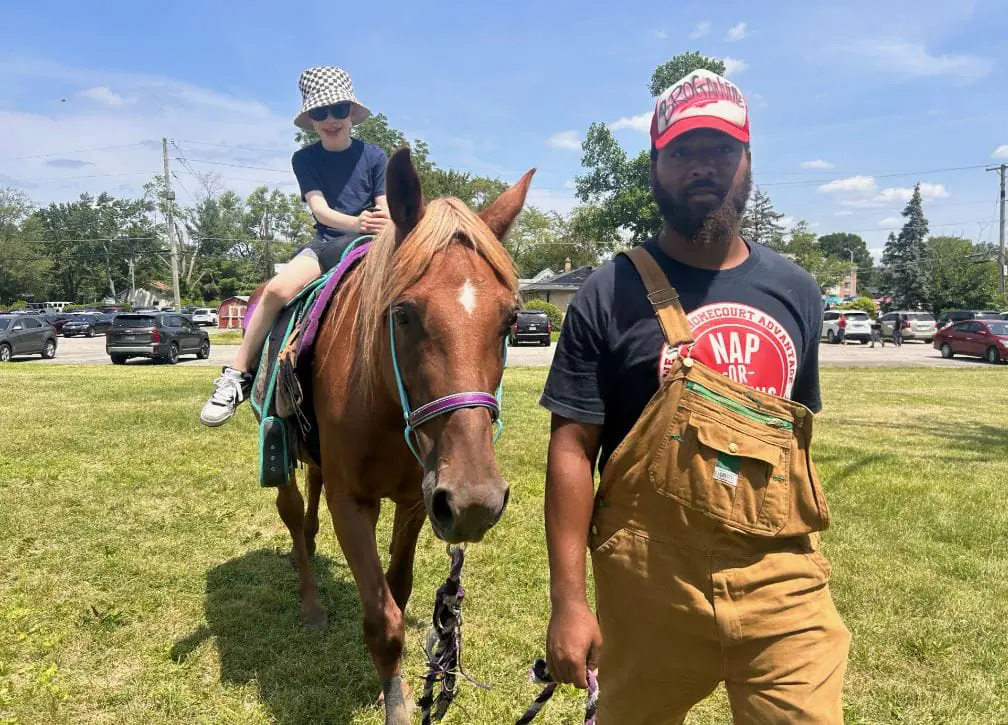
<point>349,180</point>
<point>758,323</point>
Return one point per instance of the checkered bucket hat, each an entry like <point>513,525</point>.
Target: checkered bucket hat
<point>325,86</point>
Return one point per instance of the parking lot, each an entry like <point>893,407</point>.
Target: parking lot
<point>82,350</point>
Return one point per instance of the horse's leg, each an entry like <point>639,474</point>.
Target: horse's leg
<point>384,633</point>
<point>291,507</point>
<point>409,520</point>
<point>311,525</point>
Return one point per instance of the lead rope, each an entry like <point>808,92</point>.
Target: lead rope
<point>444,644</point>
<point>540,673</point>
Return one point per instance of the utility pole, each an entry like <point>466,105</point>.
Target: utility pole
<point>170,199</point>
<point>1001,255</point>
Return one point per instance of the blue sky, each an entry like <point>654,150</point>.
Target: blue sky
<point>846,98</point>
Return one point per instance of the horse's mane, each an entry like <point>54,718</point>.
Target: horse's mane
<point>389,268</point>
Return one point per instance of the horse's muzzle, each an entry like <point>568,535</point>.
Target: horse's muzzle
<point>463,513</point>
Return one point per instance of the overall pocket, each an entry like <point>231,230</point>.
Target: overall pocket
<point>726,460</point>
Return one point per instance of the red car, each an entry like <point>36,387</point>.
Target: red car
<point>980,338</point>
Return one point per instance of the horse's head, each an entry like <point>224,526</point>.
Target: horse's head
<point>450,295</point>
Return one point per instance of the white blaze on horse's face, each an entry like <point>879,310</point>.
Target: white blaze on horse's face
<point>467,298</point>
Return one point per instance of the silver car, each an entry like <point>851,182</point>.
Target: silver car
<point>916,325</point>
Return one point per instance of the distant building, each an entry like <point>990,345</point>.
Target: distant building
<point>231,312</point>
<point>846,287</point>
<point>559,289</point>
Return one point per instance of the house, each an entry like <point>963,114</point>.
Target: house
<point>846,288</point>
<point>558,289</point>
<point>231,312</point>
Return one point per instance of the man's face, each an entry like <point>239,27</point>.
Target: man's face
<point>691,180</point>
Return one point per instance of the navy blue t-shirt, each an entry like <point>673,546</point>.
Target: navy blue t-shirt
<point>758,323</point>
<point>349,179</point>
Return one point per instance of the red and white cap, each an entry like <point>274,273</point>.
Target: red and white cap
<point>701,99</point>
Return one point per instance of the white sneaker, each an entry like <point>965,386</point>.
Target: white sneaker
<point>231,389</point>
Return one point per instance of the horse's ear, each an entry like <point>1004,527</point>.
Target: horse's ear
<point>403,193</point>
<point>500,215</point>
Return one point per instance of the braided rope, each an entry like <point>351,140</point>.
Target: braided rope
<point>444,644</point>
<point>540,673</point>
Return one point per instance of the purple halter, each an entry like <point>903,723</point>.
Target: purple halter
<point>455,401</point>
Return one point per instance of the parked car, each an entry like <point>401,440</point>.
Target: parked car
<point>531,326</point>
<point>978,338</point>
<point>948,317</point>
<point>204,316</point>
<point>26,335</point>
<point>916,325</point>
<point>858,326</point>
<point>87,324</point>
<point>163,336</point>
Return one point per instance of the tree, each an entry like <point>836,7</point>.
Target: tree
<point>541,240</point>
<point>24,264</point>
<point>761,222</point>
<point>803,247</point>
<point>904,261</point>
<point>961,275</point>
<point>620,187</point>
<point>837,244</point>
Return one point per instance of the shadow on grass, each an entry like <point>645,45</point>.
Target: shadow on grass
<point>303,676</point>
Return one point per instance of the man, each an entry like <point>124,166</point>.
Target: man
<point>841,328</point>
<point>342,179</point>
<point>688,370</point>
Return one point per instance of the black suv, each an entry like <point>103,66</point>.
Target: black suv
<point>162,336</point>
<point>531,326</point>
<point>87,324</point>
<point>26,335</point>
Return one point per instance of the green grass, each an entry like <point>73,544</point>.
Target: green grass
<point>142,577</point>
<point>225,337</point>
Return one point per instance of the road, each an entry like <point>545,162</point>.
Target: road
<point>82,350</point>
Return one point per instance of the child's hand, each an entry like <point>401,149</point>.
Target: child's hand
<point>373,221</point>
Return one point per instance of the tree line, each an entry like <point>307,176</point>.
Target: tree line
<point>105,246</point>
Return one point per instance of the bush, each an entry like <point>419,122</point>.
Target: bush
<point>19,305</point>
<point>861,303</point>
<point>551,310</point>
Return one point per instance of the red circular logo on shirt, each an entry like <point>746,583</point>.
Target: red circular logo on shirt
<point>741,342</point>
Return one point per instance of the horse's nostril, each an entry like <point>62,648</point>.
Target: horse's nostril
<point>441,508</point>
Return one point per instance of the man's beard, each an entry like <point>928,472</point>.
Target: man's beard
<point>704,224</point>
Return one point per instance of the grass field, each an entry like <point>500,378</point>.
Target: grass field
<point>142,577</point>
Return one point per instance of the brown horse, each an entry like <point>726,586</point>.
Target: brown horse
<point>440,276</point>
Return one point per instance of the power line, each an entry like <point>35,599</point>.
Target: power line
<point>78,151</point>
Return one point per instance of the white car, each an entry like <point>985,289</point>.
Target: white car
<point>858,326</point>
<point>204,316</point>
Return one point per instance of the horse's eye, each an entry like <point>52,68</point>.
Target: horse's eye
<point>401,316</point>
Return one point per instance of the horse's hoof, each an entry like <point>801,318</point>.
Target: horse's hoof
<point>315,618</point>
<point>396,700</point>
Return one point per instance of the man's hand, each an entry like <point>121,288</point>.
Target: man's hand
<point>372,221</point>
<point>573,642</point>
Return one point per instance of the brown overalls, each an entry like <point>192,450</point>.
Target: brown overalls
<point>704,544</point>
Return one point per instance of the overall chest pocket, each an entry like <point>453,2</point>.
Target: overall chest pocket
<point>726,460</point>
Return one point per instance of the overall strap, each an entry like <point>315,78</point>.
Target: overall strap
<point>663,297</point>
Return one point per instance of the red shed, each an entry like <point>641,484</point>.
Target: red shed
<point>231,312</point>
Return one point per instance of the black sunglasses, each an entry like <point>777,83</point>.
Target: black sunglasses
<point>338,110</point>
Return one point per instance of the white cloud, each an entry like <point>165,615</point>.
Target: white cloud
<point>701,30</point>
<point>124,141</point>
<point>852,183</point>
<point>737,32</point>
<point>660,34</point>
<point>1001,152</point>
<point>757,100</point>
<point>891,222</point>
<point>787,221</point>
<point>565,140</point>
<point>104,94</point>
<point>570,184</point>
<point>927,190</point>
<point>640,122</point>
<point>915,60</point>
<point>842,213</point>
<point>817,164</point>
<point>734,66</point>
